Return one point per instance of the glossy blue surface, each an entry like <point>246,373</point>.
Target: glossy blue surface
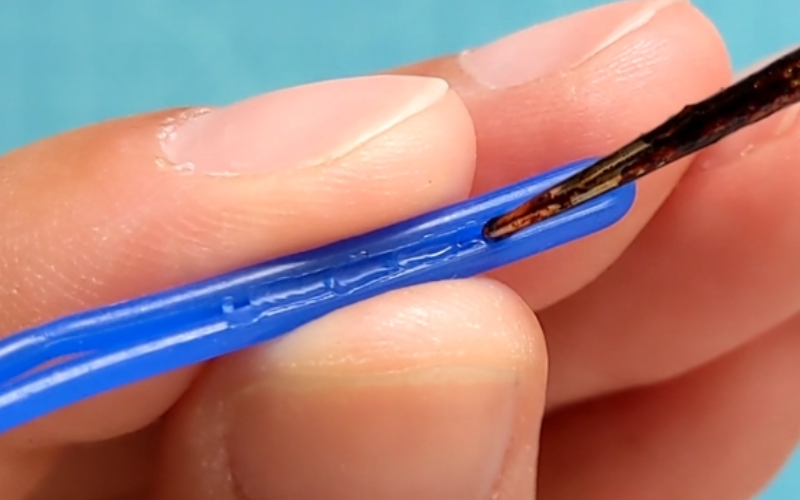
<point>76,62</point>
<point>70,359</point>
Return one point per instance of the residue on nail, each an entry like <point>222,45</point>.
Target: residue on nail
<point>169,126</point>
<point>166,134</point>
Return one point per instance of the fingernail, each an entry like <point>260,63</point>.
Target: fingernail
<point>297,127</point>
<point>558,45</point>
<point>427,433</point>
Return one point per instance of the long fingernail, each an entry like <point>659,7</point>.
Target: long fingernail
<point>557,45</point>
<point>296,127</point>
<point>427,434</point>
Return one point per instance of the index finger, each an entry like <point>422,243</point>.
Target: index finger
<point>546,96</point>
<point>136,205</point>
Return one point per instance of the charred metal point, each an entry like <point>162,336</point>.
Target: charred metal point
<point>697,126</point>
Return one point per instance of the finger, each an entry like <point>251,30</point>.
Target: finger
<point>545,96</point>
<point>433,392</point>
<point>119,468</point>
<point>720,432</point>
<point>110,212</point>
<point>740,144</point>
<point>716,267</point>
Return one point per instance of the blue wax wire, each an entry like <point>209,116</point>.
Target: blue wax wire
<point>99,350</point>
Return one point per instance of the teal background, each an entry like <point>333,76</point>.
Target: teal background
<point>65,64</point>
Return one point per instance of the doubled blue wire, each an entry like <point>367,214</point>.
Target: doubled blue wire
<point>99,350</point>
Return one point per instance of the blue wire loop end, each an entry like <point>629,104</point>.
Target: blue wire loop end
<point>60,363</point>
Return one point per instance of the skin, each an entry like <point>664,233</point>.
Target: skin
<point>672,360</point>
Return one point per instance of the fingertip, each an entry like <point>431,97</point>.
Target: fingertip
<point>98,216</point>
<point>670,56</point>
<point>588,109</point>
<point>429,392</point>
<point>476,321</point>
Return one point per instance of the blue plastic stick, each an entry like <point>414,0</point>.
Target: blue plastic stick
<point>123,343</point>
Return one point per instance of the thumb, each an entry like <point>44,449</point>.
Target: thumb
<point>433,393</point>
<point>135,205</point>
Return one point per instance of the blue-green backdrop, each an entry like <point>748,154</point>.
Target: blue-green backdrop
<point>65,64</point>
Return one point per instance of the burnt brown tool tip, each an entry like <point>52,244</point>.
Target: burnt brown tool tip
<point>697,126</point>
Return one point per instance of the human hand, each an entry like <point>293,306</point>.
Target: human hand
<point>672,373</point>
